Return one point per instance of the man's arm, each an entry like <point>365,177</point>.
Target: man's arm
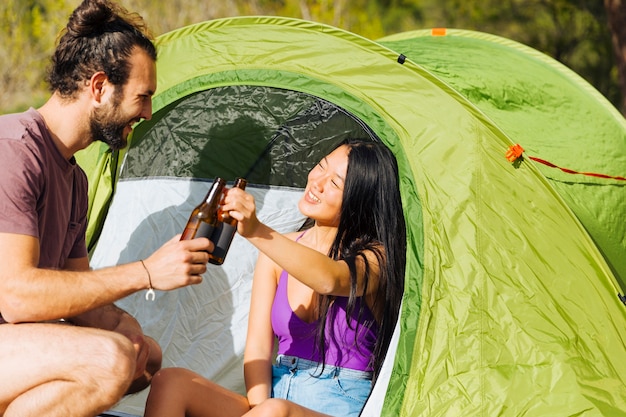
<point>29,293</point>
<point>107,317</point>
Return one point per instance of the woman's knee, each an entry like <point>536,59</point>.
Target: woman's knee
<point>272,407</point>
<point>167,378</point>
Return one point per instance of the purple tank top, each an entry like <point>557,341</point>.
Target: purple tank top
<point>343,347</point>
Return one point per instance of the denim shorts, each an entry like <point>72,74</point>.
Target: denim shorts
<point>339,392</point>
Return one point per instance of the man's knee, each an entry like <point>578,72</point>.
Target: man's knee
<point>153,364</point>
<point>90,366</point>
<point>112,366</point>
<point>155,359</point>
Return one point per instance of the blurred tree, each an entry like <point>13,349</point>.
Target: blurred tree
<point>616,12</point>
<point>166,15</point>
<point>575,32</point>
<point>27,34</point>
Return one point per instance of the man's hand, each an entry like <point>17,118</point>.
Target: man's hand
<point>178,263</point>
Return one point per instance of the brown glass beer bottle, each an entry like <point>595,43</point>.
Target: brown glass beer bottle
<point>224,231</point>
<point>203,218</point>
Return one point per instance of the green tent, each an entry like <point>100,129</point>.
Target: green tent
<point>513,302</point>
<point>548,109</point>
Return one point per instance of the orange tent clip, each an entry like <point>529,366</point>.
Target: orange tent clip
<point>514,153</point>
<point>438,32</point>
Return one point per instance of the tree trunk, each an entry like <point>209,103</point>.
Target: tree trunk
<point>616,12</point>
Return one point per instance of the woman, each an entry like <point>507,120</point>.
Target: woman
<point>329,294</point>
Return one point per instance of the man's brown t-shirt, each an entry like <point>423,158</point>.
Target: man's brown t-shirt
<point>42,194</point>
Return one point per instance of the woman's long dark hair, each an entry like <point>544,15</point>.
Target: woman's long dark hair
<point>371,219</point>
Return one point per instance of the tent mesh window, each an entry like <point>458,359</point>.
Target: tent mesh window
<point>270,136</point>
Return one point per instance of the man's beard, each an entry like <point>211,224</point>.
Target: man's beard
<point>106,125</point>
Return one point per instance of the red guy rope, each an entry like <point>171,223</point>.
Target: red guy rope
<point>515,152</point>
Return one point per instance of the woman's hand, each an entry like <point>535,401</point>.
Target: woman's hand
<point>241,206</point>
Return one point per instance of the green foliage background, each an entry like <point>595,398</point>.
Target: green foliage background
<point>574,32</point>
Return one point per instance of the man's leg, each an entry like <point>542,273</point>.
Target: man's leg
<point>153,365</point>
<point>60,370</point>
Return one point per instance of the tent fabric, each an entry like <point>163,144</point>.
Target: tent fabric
<point>548,109</point>
<point>510,307</point>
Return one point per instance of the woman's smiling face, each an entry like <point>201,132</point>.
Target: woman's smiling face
<point>323,195</point>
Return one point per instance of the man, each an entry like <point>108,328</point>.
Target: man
<point>65,349</point>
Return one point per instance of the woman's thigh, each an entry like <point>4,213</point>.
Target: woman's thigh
<point>331,394</point>
<point>179,391</point>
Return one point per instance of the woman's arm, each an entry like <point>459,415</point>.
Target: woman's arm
<point>315,269</point>
<point>260,339</point>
